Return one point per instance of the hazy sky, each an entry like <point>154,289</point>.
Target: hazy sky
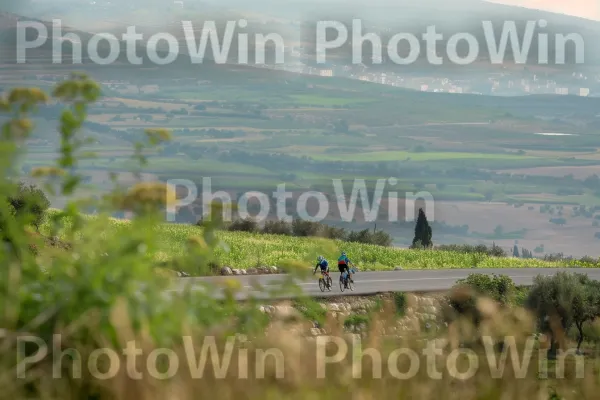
<point>580,8</point>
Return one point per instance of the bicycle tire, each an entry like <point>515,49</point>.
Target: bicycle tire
<point>342,285</point>
<point>329,283</point>
<point>350,285</point>
<point>322,284</point>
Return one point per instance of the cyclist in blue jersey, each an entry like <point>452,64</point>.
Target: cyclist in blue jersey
<point>343,265</point>
<point>323,264</point>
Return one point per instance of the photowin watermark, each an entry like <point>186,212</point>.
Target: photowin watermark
<point>521,362</point>
<point>346,206</point>
<point>234,359</point>
<point>194,46</point>
<point>221,38</point>
<point>522,42</point>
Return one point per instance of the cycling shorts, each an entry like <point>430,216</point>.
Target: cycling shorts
<point>343,267</point>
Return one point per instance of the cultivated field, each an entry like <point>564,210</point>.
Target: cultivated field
<point>253,129</point>
<point>244,250</point>
<point>578,172</point>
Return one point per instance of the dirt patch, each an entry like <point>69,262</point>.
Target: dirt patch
<point>148,104</point>
<point>578,172</point>
<point>575,238</point>
<point>253,137</point>
<point>122,177</point>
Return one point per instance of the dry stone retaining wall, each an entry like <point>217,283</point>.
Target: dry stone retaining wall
<point>422,312</point>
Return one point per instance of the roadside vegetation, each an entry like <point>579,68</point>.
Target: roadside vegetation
<point>246,250</point>
<point>62,304</point>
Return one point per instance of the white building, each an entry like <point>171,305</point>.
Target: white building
<point>562,91</point>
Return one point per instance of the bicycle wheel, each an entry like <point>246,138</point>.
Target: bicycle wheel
<point>329,283</point>
<point>350,285</point>
<point>342,285</point>
<point>321,284</point>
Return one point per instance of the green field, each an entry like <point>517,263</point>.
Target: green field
<point>415,156</point>
<point>254,129</point>
<point>164,164</point>
<point>329,101</point>
<point>245,250</point>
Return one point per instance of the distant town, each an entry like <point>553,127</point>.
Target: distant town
<point>509,83</point>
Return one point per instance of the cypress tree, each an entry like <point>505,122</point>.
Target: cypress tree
<point>423,232</point>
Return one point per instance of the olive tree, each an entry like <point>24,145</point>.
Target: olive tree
<point>570,299</point>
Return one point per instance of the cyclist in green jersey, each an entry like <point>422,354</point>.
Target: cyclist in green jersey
<point>343,265</point>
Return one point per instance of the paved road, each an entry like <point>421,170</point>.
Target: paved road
<point>371,282</point>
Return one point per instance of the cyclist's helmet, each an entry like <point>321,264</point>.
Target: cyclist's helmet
<point>320,258</point>
<point>343,254</point>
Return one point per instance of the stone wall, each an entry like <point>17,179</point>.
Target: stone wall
<point>423,313</point>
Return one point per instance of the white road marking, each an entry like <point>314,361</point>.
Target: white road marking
<point>406,279</point>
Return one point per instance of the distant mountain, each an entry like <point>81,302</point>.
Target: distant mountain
<point>462,16</point>
<point>40,60</point>
<point>14,6</point>
<point>383,16</point>
<point>233,75</point>
<point>448,16</point>
<point>388,17</point>
<point>43,55</point>
<point>422,11</point>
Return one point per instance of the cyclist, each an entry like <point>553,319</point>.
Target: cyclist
<point>322,262</point>
<point>343,263</point>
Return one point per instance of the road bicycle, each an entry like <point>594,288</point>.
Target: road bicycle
<point>325,281</point>
<point>345,282</point>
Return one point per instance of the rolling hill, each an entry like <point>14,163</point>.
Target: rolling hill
<point>385,18</point>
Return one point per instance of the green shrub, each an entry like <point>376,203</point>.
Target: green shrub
<point>244,225</point>
<point>379,238</point>
<point>305,228</point>
<point>463,301</point>
<point>497,287</point>
<point>382,238</point>
<point>311,310</point>
<point>278,227</point>
<point>354,321</point>
<point>494,251</point>
<point>30,201</point>
<point>332,232</point>
<point>400,302</point>
<point>520,297</point>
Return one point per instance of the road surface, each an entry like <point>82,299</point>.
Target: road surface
<point>372,282</point>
